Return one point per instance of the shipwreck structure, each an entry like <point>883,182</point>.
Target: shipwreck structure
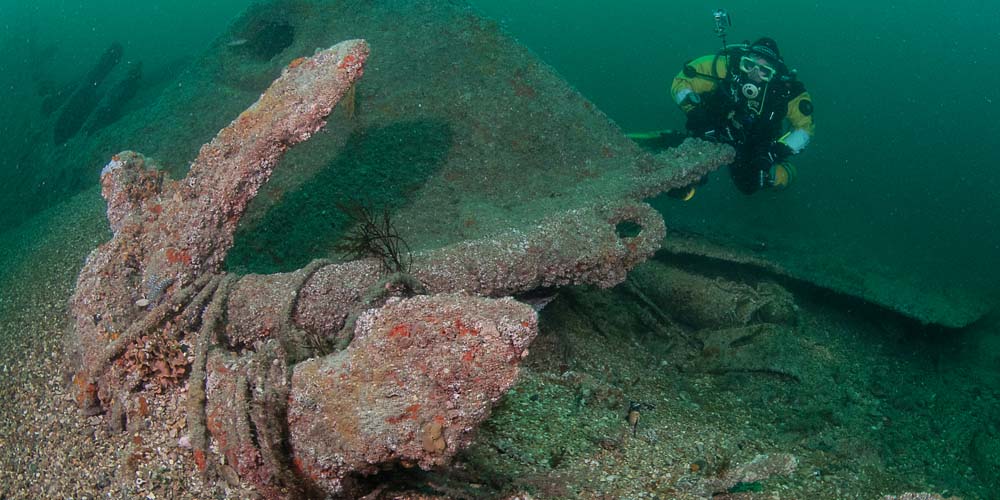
<point>301,382</point>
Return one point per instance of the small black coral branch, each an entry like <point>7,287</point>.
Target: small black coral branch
<point>373,235</point>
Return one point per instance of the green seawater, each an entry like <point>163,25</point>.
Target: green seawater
<point>900,181</point>
<point>901,172</point>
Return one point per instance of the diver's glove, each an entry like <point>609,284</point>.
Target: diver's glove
<point>691,99</point>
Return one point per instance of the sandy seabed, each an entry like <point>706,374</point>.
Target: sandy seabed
<point>560,433</point>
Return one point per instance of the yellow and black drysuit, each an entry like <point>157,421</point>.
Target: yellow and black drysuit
<point>722,103</point>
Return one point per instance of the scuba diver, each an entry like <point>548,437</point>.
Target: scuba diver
<point>742,96</point>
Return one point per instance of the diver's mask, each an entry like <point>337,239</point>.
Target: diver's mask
<point>764,71</point>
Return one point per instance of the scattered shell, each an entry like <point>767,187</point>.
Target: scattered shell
<point>142,302</point>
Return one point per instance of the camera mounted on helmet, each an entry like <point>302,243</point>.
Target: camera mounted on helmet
<point>761,56</point>
<point>722,23</point>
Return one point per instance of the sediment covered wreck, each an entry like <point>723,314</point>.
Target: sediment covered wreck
<point>302,381</point>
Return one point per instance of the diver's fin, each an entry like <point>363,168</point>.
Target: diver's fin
<point>782,175</point>
<point>657,140</point>
<point>682,193</point>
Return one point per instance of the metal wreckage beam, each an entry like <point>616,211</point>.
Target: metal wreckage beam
<point>304,380</point>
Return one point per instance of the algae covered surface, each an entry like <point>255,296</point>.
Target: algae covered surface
<point>830,353</point>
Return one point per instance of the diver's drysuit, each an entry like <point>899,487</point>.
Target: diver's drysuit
<point>723,103</point>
